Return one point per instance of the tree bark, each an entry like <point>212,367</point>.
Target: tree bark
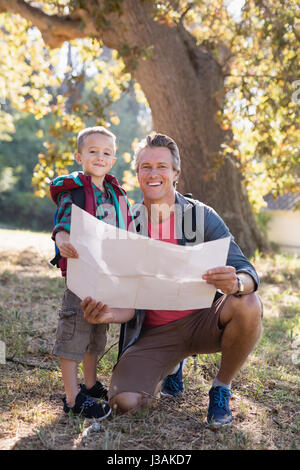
<point>183,84</point>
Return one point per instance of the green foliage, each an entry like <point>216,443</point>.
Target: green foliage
<point>20,153</point>
<point>45,147</point>
<point>18,205</point>
<point>263,218</point>
<point>257,49</point>
<point>24,210</point>
<point>103,97</point>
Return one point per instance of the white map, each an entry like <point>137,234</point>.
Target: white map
<point>127,270</point>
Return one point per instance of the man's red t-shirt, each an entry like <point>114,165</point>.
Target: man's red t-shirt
<point>165,231</point>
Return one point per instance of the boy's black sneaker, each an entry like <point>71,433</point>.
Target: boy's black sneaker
<point>87,407</point>
<point>97,391</point>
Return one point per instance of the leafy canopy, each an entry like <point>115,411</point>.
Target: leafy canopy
<point>257,48</point>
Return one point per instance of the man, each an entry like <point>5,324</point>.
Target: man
<point>154,342</point>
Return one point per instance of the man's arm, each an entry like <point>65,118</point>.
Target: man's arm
<point>216,228</point>
<point>97,312</point>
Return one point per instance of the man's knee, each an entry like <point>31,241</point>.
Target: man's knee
<point>247,309</point>
<point>126,402</point>
<point>252,304</point>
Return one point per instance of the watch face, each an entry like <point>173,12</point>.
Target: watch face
<point>241,285</point>
<point>240,288</point>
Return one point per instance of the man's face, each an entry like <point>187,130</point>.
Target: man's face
<point>97,155</point>
<point>156,175</point>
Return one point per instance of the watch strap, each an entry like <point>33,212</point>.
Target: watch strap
<point>240,291</point>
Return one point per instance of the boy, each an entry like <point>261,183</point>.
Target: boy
<point>76,339</point>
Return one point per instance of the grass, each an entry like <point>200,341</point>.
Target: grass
<point>266,399</point>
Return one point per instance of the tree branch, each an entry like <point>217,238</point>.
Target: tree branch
<point>54,29</point>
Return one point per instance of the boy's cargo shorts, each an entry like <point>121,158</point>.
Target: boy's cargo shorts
<point>74,335</point>
<point>159,349</point>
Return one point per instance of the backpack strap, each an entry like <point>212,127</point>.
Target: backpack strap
<point>78,196</point>
<point>194,234</point>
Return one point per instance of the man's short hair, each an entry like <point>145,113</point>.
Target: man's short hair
<point>82,135</point>
<point>158,140</point>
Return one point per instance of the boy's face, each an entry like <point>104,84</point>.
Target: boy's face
<point>97,156</point>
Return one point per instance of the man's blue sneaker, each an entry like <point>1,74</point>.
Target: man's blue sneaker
<point>219,413</point>
<point>173,385</point>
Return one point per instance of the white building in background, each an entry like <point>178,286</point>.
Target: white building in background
<point>284,225</point>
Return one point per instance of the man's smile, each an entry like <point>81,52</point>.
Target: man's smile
<point>154,183</point>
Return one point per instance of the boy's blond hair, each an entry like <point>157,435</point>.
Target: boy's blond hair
<point>82,135</point>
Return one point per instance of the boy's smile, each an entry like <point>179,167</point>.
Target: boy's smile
<point>97,156</point>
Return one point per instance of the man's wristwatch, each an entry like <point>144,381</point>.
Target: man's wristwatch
<point>241,288</point>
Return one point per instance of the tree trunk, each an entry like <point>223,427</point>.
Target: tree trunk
<point>182,83</point>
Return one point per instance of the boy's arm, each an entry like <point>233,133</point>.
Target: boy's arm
<point>66,249</point>
<point>97,312</point>
<point>63,217</point>
<point>61,231</point>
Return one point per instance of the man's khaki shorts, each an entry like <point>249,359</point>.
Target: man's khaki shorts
<point>74,335</point>
<point>159,349</point>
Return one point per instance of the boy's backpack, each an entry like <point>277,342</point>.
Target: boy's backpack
<point>78,198</point>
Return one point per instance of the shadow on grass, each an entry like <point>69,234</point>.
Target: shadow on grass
<point>264,410</point>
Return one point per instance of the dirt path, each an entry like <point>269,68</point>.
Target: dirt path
<point>266,399</point>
